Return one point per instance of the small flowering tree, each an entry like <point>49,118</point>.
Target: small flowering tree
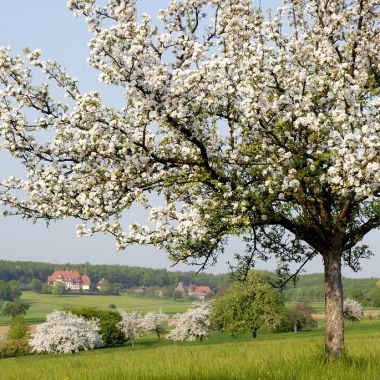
<point>65,333</point>
<point>154,322</point>
<point>263,126</point>
<point>193,324</point>
<point>352,310</point>
<point>131,325</point>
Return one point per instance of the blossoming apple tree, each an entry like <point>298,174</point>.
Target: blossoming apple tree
<point>260,125</point>
<point>131,325</point>
<point>154,322</point>
<point>193,324</point>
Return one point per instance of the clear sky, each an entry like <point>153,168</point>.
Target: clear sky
<point>49,26</point>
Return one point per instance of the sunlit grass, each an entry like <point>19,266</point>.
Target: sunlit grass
<point>42,304</point>
<point>272,356</point>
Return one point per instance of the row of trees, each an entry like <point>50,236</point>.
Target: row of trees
<point>25,272</point>
<point>60,289</point>
<point>310,287</point>
<point>244,307</point>
<point>33,275</point>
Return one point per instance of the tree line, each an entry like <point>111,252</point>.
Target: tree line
<point>308,287</point>
<point>25,272</point>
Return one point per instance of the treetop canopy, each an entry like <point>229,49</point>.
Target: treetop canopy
<point>241,119</point>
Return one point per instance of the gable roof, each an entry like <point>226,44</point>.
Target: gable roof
<point>69,276</point>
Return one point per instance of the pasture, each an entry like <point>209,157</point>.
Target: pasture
<point>43,304</point>
<point>286,356</point>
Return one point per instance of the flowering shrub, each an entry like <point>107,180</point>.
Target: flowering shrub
<point>154,322</point>
<point>192,325</point>
<point>352,310</point>
<point>65,333</point>
<point>107,321</point>
<point>131,325</point>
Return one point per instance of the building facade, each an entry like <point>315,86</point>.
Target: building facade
<point>202,292</point>
<point>73,280</point>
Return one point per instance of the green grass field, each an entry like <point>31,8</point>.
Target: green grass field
<point>271,357</point>
<point>43,304</point>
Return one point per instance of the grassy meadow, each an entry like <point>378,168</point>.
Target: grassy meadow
<point>43,304</point>
<point>286,356</point>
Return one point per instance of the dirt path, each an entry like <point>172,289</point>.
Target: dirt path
<point>4,329</point>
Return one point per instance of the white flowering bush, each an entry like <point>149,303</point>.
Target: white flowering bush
<point>65,333</point>
<point>154,322</point>
<point>131,325</point>
<point>193,324</point>
<point>352,310</point>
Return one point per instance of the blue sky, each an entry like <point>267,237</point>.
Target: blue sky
<point>49,26</point>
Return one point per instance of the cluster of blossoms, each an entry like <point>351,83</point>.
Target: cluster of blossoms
<point>234,122</point>
<point>134,324</point>
<point>65,333</point>
<point>154,323</point>
<point>352,310</point>
<point>131,325</point>
<point>193,324</point>
<point>244,123</point>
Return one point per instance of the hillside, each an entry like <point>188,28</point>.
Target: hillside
<point>308,287</point>
<point>25,272</point>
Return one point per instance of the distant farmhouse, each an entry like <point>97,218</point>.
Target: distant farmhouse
<point>200,292</point>
<point>73,280</point>
<point>103,282</point>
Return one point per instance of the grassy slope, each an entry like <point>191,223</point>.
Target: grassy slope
<point>42,304</point>
<point>270,357</point>
<point>310,287</point>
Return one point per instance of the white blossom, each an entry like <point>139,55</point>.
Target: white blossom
<point>131,325</point>
<point>193,324</point>
<point>154,322</point>
<point>352,310</point>
<point>65,333</point>
<point>243,122</point>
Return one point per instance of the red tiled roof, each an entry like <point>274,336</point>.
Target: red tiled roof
<point>72,276</point>
<point>202,289</point>
<point>85,279</point>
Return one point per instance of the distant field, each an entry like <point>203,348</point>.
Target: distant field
<point>271,356</point>
<point>319,308</point>
<point>42,304</point>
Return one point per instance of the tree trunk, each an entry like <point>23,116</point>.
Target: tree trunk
<point>254,333</point>
<point>334,337</point>
<point>295,328</point>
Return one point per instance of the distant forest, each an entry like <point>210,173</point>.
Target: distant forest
<point>129,277</point>
<point>308,287</point>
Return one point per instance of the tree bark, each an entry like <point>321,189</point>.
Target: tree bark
<point>334,337</point>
